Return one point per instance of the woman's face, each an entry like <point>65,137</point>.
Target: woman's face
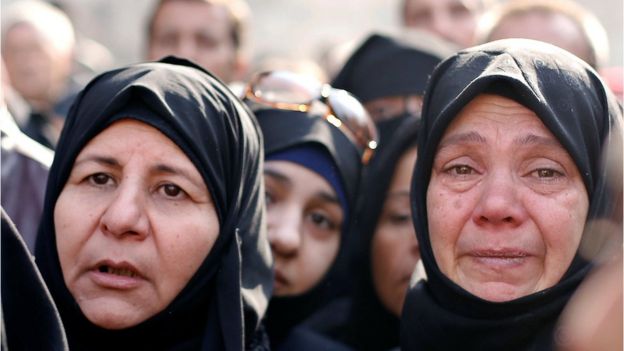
<point>304,225</point>
<point>394,246</point>
<point>452,20</point>
<point>506,204</point>
<point>133,224</point>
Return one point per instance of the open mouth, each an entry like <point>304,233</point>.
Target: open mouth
<point>125,272</point>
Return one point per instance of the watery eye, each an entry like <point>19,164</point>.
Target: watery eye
<point>547,173</point>
<point>172,190</point>
<point>462,169</point>
<point>100,178</point>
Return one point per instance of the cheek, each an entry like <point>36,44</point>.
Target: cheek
<point>317,258</point>
<point>446,215</point>
<point>184,243</point>
<point>562,228</point>
<point>73,225</point>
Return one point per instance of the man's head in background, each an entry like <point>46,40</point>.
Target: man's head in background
<point>212,33</point>
<point>452,20</point>
<point>562,23</point>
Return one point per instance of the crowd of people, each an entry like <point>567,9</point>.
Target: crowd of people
<point>453,186</point>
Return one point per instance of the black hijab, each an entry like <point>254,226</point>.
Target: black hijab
<point>371,325</point>
<point>284,130</point>
<point>384,65</point>
<point>571,100</point>
<point>221,306</point>
<point>30,320</point>
<point>387,66</point>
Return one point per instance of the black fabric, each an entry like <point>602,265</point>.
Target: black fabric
<point>570,99</point>
<point>287,129</point>
<point>30,320</point>
<point>23,188</point>
<point>371,326</point>
<point>222,305</point>
<point>385,66</point>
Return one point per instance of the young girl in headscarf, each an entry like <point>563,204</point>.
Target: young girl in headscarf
<point>312,171</point>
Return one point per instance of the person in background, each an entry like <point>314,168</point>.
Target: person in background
<point>452,20</point>
<point>314,156</point>
<point>38,50</point>
<point>563,23</point>
<point>387,249</point>
<point>510,179</point>
<point>211,33</point>
<point>388,74</point>
<point>24,171</point>
<point>152,234</point>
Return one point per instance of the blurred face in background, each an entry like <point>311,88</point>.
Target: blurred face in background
<point>452,20</point>
<point>394,249</point>
<point>199,31</point>
<point>37,70</point>
<point>388,107</point>
<point>553,28</point>
<point>304,224</point>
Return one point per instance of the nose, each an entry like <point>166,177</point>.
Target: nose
<point>441,24</point>
<point>499,203</point>
<point>284,231</point>
<point>125,215</point>
<point>186,48</point>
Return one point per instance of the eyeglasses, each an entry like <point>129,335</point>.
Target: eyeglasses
<point>290,91</point>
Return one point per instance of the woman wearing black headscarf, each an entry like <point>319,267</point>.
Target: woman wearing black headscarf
<point>387,250</point>
<point>508,176</point>
<point>312,171</point>
<point>151,236</point>
<point>388,74</point>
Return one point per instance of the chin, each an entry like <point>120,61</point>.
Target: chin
<point>113,316</point>
<point>498,291</point>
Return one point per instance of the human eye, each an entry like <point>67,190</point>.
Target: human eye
<point>100,179</point>
<point>172,191</point>
<point>398,218</point>
<point>547,174</point>
<point>460,170</point>
<point>322,221</point>
<point>205,41</point>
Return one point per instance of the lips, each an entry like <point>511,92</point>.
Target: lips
<point>280,279</point>
<point>500,257</point>
<point>116,275</point>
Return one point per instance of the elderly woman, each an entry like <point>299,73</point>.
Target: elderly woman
<point>151,236</point>
<point>314,155</point>
<point>508,175</point>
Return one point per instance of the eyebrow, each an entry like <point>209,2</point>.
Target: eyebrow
<point>172,170</point>
<point>469,137</point>
<point>327,197</point>
<point>279,177</point>
<point>476,138</point>
<point>532,139</point>
<point>108,161</point>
